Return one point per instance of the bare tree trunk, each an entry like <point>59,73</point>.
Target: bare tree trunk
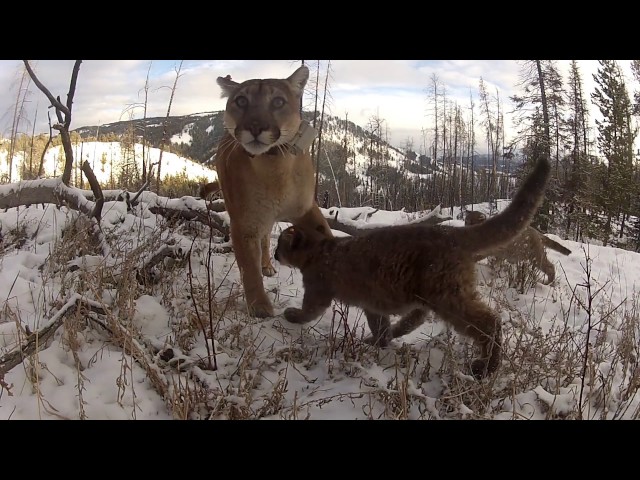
<point>144,127</point>
<point>33,136</point>
<point>433,92</point>
<point>63,113</point>
<point>545,112</point>
<point>17,115</point>
<point>164,128</point>
<point>472,147</point>
<point>324,100</point>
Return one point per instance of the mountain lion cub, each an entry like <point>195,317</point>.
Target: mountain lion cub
<point>266,174</point>
<point>410,269</point>
<point>529,245</point>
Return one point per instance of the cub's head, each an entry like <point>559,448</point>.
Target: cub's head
<point>263,113</point>
<point>475,217</point>
<point>293,247</point>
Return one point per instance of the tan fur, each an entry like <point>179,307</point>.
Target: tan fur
<point>411,269</point>
<point>262,180</point>
<point>528,246</point>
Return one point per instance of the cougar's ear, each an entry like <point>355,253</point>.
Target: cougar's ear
<point>227,85</point>
<point>298,79</point>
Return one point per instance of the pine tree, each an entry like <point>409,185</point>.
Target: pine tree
<point>575,194</point>
<point>539,118</point>
<point>615,141</point>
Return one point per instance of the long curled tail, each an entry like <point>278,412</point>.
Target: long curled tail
<point>553,245</point>
<point>504,227</point>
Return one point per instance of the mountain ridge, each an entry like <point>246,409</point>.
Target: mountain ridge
<point>196,135</point>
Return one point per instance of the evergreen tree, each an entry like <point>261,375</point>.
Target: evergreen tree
<point>615,140</point>
<point>539,118</point>
<point>575,192</point>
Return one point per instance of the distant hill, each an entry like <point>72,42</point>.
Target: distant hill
<point>355,167</point>
<point>196,137</point>
<point>193,136</point>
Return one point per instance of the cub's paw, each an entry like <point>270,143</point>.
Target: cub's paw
<point>261,310</point>
<point>268,271</point>
<point>480,368</point>
<point>295,315</point>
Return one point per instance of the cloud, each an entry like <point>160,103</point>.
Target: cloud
<point>395,90</point>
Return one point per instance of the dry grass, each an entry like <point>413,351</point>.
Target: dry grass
<point>214,362</point>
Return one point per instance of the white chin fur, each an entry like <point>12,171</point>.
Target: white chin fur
<point>255,148</point>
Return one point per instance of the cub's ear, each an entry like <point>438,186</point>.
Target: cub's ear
<point>298,79</point>
<point>227,85</point>
<point>297,238</point>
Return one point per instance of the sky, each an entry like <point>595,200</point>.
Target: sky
<point>272,369</point>
<point>395,90</point>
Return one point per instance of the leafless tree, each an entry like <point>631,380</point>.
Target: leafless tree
<point>164,128</point>
<point>63,114</point>
<point>18,114</point>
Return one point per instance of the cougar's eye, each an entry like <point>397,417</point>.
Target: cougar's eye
<point>242,101</point>
<point>278,102</point>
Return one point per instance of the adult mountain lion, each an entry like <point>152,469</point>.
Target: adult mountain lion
<point>528,246</point>
<point>411,269</point>
<point>266,173</point>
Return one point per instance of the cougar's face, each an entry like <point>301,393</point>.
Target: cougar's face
<point>262,114</point>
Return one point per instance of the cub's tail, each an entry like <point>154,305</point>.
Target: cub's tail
<point>501,229</point>
<point>553,245</point>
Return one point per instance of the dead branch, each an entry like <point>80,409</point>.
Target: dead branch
<point>36,341</point>
<point>51,190</point>
<point>64,121</point>
<point>145,275</point>
<point>356,228</point>
<point>126,340</point>
<point>434,217</point>
<point>164,139</point>
<point>139,192</point>
<point>95,188</point>
<point>30,192</point>
<point>212,219</point>
<point>46,147</point>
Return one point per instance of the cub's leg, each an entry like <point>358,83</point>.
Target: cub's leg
<point>314,224</point>
<point>316,300</point>
<point>267,267</point>
<point>380,327</point>
<point>247,249</point>
<point>547,268</point>
<point>473,318</point>
<point>408,323</point>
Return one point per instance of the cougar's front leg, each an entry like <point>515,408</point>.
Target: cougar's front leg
<point>247,248</point>
<point>267,267</point>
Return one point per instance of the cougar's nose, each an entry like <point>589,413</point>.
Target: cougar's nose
<point>256,128</point>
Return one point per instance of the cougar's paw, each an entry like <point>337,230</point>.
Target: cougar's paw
<point>268,271</point>
<point>295,315</point>
<point>261,310</point>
